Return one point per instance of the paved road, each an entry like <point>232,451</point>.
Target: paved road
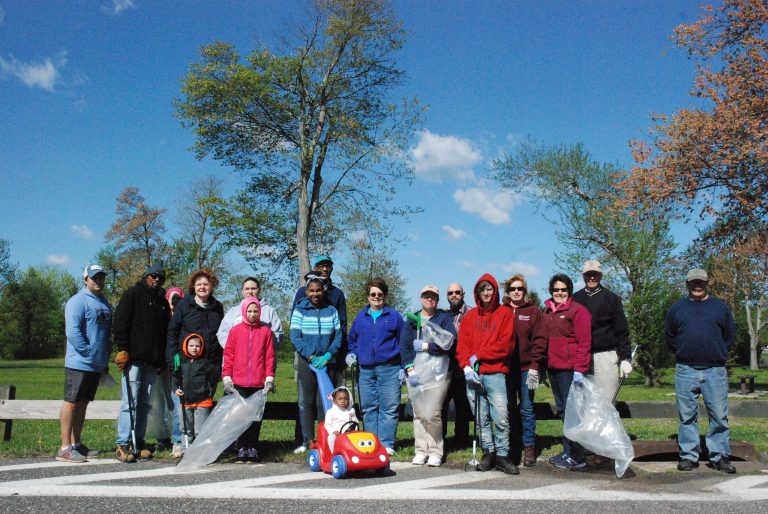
<point>104,485</point>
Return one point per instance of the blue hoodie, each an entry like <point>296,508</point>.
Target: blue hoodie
<point>315,330</point>
<point>376,342</point>
<point>88,321</point>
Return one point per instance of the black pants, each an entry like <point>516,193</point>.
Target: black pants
<point>250,437</point>
<point>458,393</point>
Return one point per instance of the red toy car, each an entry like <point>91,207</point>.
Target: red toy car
<point>353,451</point>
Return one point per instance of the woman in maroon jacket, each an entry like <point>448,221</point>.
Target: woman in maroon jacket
<point>568,327</point>
<point>531,351</point>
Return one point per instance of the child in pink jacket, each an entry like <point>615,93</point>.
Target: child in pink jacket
<point>249,366</point>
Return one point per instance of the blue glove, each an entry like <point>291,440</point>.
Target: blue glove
<point>418,345</point>
<point>413,379</point>
<point>321,362</point>
<point>471,376</point>
<point>351,359</point>
<point>314,362</point>
<point>401,376</point>
<point>473,360</point>
<point>578,378</point>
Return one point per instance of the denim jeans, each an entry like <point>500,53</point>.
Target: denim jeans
<point>712,383</point>
<point>494,413</point>
<point>561,380</point>
<point>142,377</point>
<point>176,430</point>
<point>525,397</point>
<point>380,400</point>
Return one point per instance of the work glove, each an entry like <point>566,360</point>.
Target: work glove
<point>413,379</point>
<point>626,368</point>
<point>578,378</point>
<point>322,361</point>
<point>418,345</point>
<point>122,359</point>
<point>351,359</point>
<point>269,385</point>
<point>473,360</point>
<point>471,376</point>
<point>533,380</point>
<point>229,386</point>
<point>401,376</point>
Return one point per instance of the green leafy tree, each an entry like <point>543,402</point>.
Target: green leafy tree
<point>7,270</point>
<point>312,126</point>
<point>580,199</point>
<point>32,313</point>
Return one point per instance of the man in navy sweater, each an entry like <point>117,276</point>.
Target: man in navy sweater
<point>700,329</point>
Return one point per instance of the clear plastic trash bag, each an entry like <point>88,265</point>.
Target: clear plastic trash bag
<point>231,417</point>
<point>427,398</point>
<point>432,333</point>
<point>160,417</point>
<point>592,421</point>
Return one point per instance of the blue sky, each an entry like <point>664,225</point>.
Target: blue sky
<point>86,91</point>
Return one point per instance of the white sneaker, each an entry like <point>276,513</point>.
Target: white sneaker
<point>434,461</point>
<point>300,449</point>
<point>178,451</point>
<point>390,451</point>
<point>420,459</point>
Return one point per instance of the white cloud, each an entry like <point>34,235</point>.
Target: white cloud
<point>489,203</point>
<point>439,158</point>
<point>119,6</point>
<point>454,233</point>
<point>59,260</point>
<point>43,74</point>
<point>528,270</point>
<point>81,231</point>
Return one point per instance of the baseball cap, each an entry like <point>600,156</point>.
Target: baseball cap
<point>430,289</point>
<point>591,266</point>
<point>322,258</point>
<point>92,270</point>
<point>696,274</point>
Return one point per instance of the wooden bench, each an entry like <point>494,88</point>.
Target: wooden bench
<point>747,384</point>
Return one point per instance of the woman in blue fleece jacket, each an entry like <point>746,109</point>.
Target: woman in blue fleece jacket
<point>374,343</point>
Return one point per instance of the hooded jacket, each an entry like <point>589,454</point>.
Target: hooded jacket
<point>171,293</point>
<point>315,330</point>
<point>87,321</point>
<point>487,334</point>
<point>141,323</point>
<point>190,317</point>
<point>249,356</point>
<point>196,376</point>
<point>568,328</point>
<point>268,317</point>
<point>530,339</point>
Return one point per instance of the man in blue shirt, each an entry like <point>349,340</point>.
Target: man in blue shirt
<point>700,329</point>
<point>88,320</point>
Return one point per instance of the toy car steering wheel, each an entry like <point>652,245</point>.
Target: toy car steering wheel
<point>349,426</point>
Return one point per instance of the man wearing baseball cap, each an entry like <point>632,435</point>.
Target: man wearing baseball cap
<point>88,320</point>
<point>700,329</point>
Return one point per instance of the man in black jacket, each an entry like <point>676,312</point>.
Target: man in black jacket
<point>139,328</point>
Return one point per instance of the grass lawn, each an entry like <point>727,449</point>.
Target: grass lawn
<point>43,380</point>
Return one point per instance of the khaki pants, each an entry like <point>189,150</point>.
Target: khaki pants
<point>606,370</point>
<point>428,423</point>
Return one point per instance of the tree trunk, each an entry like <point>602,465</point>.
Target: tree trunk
<point>302,226</point>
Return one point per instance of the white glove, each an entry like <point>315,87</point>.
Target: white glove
<point>229,386</point>
<point>533,380</point>
<point>578,378</point>
<point>626,368</point>
<point>351,359</point>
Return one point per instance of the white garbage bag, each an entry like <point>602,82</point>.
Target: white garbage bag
<point>160,417</point>
<point>231,417</point>
<point>592,421</point>
<point>427,398</point>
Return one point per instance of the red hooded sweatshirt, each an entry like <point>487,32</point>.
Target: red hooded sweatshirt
<point>487,333</point>
<point>249,356</point>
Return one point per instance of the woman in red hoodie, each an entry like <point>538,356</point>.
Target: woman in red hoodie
<point>486,343</point>
<point>568,326</point>
<point>249,366</point>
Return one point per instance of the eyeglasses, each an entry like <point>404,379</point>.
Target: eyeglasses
<point>559,289</point>
<point>376,295</point>
<point>513,289</point>
<point>455,293</point>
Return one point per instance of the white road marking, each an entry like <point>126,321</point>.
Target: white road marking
<point>443,487</point>
<point>56,464</point>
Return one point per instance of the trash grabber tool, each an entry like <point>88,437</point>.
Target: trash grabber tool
<point>131,407</point>
<point>621,380</point>
<point>177,369</point>
<point>473,462</point>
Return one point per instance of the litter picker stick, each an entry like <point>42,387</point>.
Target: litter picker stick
<point>621,380</point>
<point>177,369</point>
<point>129,392</point>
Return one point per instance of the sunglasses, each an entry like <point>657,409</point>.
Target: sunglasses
<point>513,289</point>
<point>559,289</point>
<point>376,295</point>
<point>455,293</point>
<point>154,275</point>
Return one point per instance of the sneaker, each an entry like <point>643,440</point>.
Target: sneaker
<point>253,455</point>
<point>390,451</point>
<point>177,452</point>
<point>529,456</point>
<point>419,459</point>
<point>488,461</point>
<point>242,456</point>
<point>300,449</point>
<point>434,461</point>
<point>123,454</point>
<point>724,465</point>
<point>687,465</point>
<point>70,454</point>
<point>504,464</point>
<point>563,461</point>
<point>84,450</point>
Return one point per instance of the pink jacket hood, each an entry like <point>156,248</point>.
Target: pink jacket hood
<point>244,308</point>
